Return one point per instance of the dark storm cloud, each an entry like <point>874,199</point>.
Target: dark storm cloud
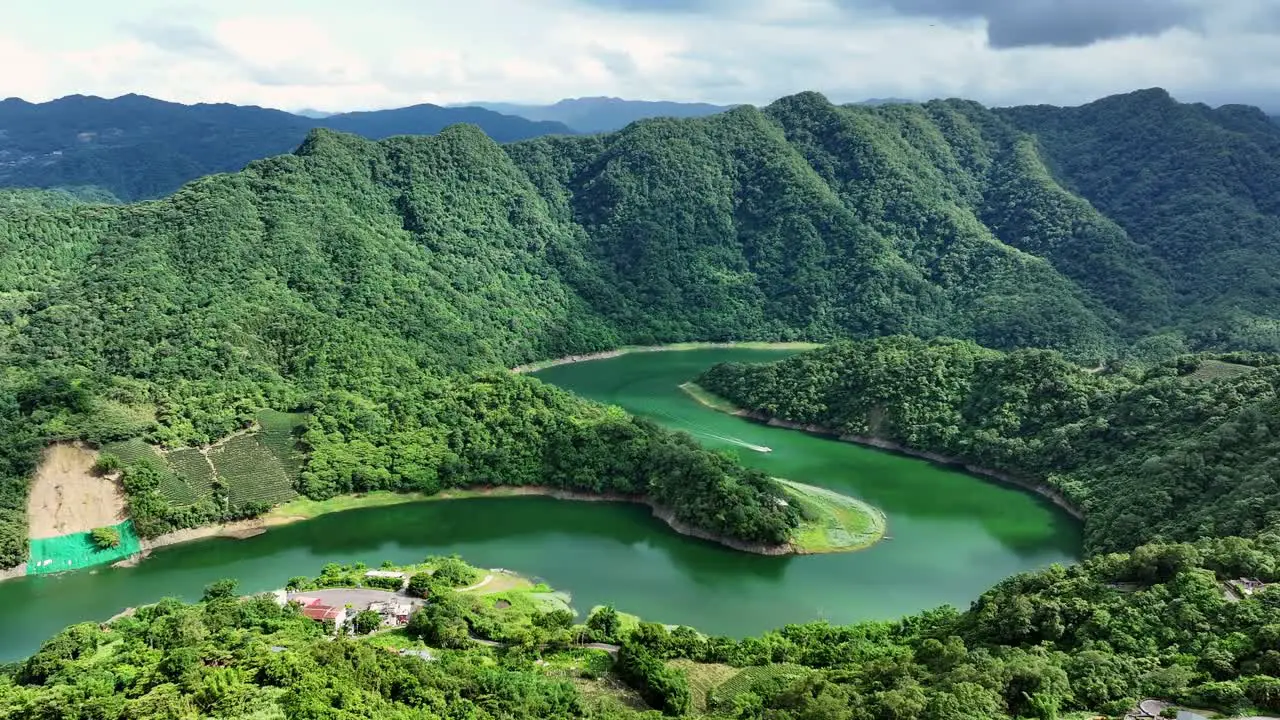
<point>1010,23</point>
<point>1059,23</point>
<point>655,6</point>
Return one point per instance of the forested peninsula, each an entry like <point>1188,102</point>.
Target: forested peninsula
<point>1176,451</point>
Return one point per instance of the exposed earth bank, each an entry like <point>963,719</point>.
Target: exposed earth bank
<point>68,497</point>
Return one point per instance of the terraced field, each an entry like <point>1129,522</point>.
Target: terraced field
<point>1214,369</point>
<point>280,433</point>
<point>132,451</point>
<point>255,467</point>
<point>749,677</point>
<point>192,467</point>
<point>251,472</point>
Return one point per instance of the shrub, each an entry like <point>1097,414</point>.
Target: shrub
<point>366,621</point>
<point>107,464</point>
<point>105,538</point>
<point>385,583</point>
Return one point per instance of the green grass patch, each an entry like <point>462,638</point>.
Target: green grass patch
<point>304,508</point>
<point>832,522</point>
<point>710,399</point>
<point>251,472</point>
<point>396,639</point>
<point>1217,370</point>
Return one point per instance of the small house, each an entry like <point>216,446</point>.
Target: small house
<point>306,601</point>
<point>1248,586</point>
<point>385,574</point>
<point>326,614</point>
<point>393,613</point>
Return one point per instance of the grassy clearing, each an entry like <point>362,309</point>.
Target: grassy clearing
<point>1217,369</point>
<point>704,678</point>
<point>833,522</point>
<point>396,639</point>
<point>710,399</point>
<point>251,472</point>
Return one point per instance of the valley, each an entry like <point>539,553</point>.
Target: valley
<point>947,544</point>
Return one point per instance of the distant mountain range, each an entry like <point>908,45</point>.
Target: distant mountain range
<point>137,147</point>
<point>603,114</point>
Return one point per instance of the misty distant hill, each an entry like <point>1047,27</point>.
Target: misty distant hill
<point>137,147</point>
<point>603,114</point>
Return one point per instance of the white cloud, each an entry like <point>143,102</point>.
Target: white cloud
<point>334,55</point>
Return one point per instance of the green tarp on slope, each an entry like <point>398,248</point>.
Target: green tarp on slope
<point>77,551</point>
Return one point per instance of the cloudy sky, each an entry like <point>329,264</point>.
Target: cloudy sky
<point>343,55</point>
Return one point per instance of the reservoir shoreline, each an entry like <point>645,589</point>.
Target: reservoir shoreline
<point>243,529</point>
<point>674,347</point>
<point>1039,488</point>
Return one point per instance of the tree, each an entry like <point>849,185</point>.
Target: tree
<point>453,572</point>
<point>420,585</point>
<point>366,621</point>
<point>221,589</point>
<point>605,623</point>
<point>105,538</point>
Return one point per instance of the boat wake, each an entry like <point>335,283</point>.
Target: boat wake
<point>741,443</point>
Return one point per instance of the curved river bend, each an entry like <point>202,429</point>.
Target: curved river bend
<point>951,535</point>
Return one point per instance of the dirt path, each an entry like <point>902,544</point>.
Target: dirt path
<point>487,579</point>
<point>66,497</point>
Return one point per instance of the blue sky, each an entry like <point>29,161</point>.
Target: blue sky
<point>382,53</point>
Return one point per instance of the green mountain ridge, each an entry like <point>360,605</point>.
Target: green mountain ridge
<point>375,284</point>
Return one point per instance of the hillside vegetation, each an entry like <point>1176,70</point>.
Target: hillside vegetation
<point>1179,451</point>
<point>381,287</point>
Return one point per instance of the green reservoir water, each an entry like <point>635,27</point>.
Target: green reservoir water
<point>952,536</point>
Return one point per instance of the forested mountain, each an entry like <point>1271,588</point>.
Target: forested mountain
<point>1179,451</point>
<point>603,114</point>
<point>137,147</point>
<point>1195,187</point>
<point>362,281</point>
<point>383,287</point>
